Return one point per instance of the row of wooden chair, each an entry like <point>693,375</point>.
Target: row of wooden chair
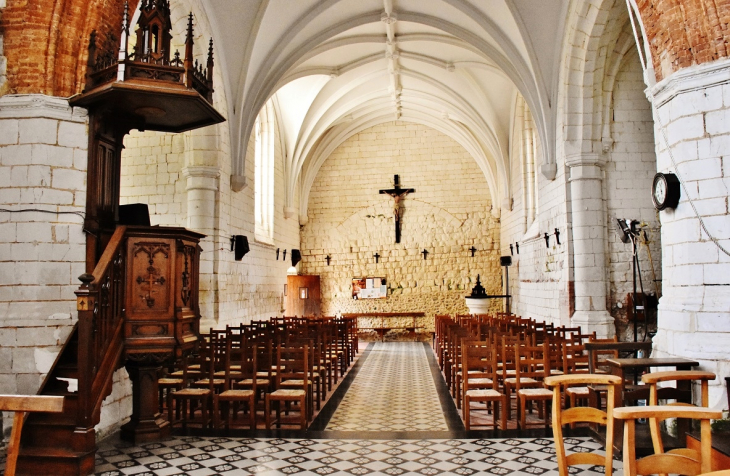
<point>523,352</point>
<point>287,364</point>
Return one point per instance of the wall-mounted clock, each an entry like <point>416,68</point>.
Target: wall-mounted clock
<point>665,191</point>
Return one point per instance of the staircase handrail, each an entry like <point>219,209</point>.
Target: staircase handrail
<point>100,305</point>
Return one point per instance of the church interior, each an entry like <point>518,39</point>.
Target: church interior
<point>382,182</point>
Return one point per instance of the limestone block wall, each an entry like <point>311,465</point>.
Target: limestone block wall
<point>539,274</point>
<point>43,145</point>
<point>449,212</point>
<point>629,170</point>
<point>694,311</point>
<point>252,289</point>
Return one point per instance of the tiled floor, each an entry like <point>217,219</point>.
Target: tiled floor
<point>197,456</point>
<point>393,391</point>
<point>392,415</point>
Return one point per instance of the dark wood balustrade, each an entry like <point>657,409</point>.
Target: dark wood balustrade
<point>100,304</point>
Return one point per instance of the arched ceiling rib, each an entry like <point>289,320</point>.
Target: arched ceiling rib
<point>340,66</point>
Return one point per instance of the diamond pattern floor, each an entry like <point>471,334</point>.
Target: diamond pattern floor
<point>394,391</point>
<point>398,379</point>
<point>195,456</point>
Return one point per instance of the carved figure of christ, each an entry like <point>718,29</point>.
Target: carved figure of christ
<point>397,193</point>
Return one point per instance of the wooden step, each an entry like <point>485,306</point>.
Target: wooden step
<point>55,461</point>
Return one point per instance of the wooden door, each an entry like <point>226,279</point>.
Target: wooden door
<point>302,296</point>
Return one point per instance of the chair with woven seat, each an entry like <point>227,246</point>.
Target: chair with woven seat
<point>482,386</point>
<point>533,365</point>
<point>573,415</point>
<point>188,397</point>
<point>292,363</point>
<point>240,363</point>
<point>678,461</point>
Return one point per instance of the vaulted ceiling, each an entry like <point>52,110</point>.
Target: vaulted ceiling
<point>336,67</point>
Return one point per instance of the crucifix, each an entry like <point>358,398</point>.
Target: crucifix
<point>397,193</point>
<point>377,257</point>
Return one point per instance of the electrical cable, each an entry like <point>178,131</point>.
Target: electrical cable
<point>663,130</point>
<point>55,212</point>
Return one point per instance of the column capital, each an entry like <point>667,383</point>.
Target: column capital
<point>200,177</point>
<point>582,160</point>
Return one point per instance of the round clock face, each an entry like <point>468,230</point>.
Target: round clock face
<point>660,190</point>
<point>665,191</point>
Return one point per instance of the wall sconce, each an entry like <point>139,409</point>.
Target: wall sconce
<point>547,240</point>
<point>239,244</point>
<point>557,236</point>
<point>277,254</point>
<point>517,247</point>
<point>511,251</point>
<point>296,257</point>
<point>283,256</point>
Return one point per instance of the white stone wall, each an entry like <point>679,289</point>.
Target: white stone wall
<point>629,170</point>
<point>43,145</point>
<point>694,311</point>
<point>449,212</point>
<point>539,274</point>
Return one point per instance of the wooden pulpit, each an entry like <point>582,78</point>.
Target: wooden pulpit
<point>162,316</point>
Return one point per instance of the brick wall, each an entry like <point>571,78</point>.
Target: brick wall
<point>46,41</point>
<point>685,33</point>
<point>449,212</point>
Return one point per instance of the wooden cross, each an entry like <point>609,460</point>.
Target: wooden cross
<point>376,256</point>
<point>397,193</point>
<point>473,250</point>
<point>424,253</point>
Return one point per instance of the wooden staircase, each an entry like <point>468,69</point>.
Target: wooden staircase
<point>64,443</point>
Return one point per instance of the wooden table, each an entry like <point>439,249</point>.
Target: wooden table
<point>381,325</point>
<point>624,367</point>
<point>593,347</point>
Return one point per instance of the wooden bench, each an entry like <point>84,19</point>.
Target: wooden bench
<point>382,326</point>
<point>21,405</point>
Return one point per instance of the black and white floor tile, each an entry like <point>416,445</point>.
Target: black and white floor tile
<point>197,456</point>
<point>393,416</point>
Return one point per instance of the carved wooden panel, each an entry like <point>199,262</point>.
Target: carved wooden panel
<point>151,263</point>
<point>162,314</point>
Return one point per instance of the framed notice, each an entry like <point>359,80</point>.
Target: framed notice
<point>369,288</point>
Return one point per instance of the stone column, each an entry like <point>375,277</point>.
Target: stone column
<point>589,245</point>
<point>693,104</point>
<point>202,188</point>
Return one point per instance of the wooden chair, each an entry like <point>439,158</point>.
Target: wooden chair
<point>582,414</point>
<point>655,393</point>
<point>679,461</point>
<point>533,364</point>
<point>190,396</point>
<point>21,405</point>
<point>482,356</point>
<point>292,363</point>
<point>240,363</point>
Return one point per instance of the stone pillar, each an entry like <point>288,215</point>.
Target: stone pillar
<point>202,189</point>
<point>693,104</point>
<point>589,245</point>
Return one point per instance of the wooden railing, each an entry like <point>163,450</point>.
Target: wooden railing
<point>100,304</point>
